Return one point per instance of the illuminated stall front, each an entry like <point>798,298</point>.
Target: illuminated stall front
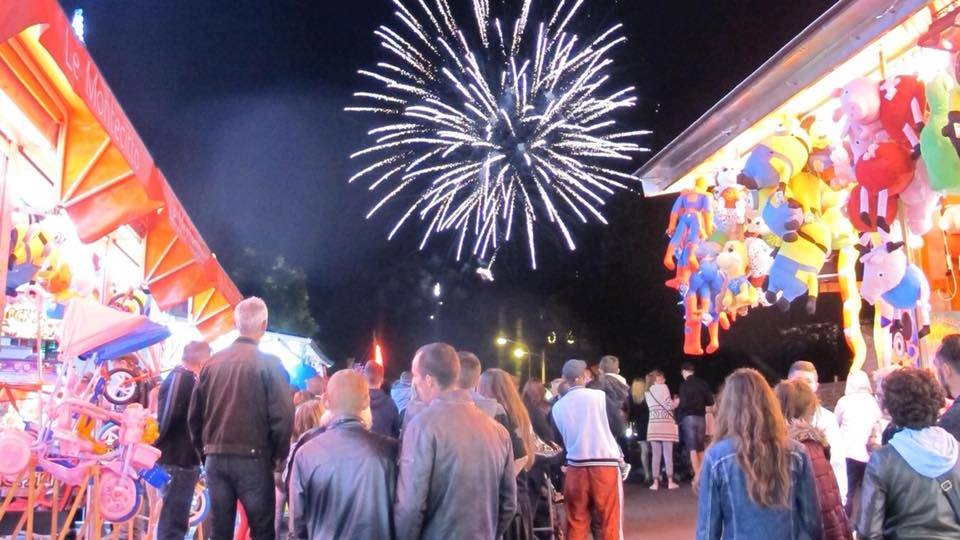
<point>807,153</point>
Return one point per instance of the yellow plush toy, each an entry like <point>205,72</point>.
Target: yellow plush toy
<point>778,157</point>
<point>737,295</point>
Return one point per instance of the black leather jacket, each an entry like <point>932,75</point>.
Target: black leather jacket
<point>900,504</point>
<point>242,404</point>
<point>342,484</point>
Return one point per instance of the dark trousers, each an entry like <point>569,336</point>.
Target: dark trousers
<point>855,471</point>
<point>174,519</point>
<point>248,480</point>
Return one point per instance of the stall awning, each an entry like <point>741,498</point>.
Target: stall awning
<point>212,310</point>
<point>807,60</point>
<point>177,260</point>
<point>108,175</point>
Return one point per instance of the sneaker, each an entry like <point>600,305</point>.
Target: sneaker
<point>655,486</point>
<point>672,485</point>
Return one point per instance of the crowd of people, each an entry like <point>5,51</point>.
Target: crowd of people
<point>456,451</point>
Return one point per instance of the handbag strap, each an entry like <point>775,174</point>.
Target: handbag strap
<point>662,406</point>
<point>949,490</point>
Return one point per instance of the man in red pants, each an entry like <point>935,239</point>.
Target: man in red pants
<point>593,458</point>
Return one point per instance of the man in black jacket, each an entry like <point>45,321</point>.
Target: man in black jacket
<point>342,482</point>
<point>241,417</point>
<point>179,458</point>
<point>695,397</point>
<point>386,417</point>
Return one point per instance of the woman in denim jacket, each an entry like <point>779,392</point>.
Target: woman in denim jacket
<point>756,483</point>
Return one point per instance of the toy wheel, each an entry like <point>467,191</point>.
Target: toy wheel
<point>14,454</point>
<point>120,388</point>
<point>109,434</point>
<point>119,496</point>
<point>199,506</point>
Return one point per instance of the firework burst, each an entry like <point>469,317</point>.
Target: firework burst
<point>494,122</point>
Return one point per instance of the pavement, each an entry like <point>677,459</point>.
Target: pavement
<point>663,514</point>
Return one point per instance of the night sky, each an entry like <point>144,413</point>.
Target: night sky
<point>240,102</point>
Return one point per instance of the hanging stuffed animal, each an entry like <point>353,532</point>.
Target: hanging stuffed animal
<point>859,106</point>
<point>883,171</point>
<point>778,157</point>
<point>940,137</point>
<point>700,302</point>
<point>903,108</point>
<point>902,286</point>
<point>796,266</point>
<point>691,219</point>
<point>737,295</point>
<point>729,202</point>
<point>920,203</point>
<point>783,214</point>
<point>759,251</point>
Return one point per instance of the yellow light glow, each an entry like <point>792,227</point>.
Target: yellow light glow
<point>519,353</point>
<point>501,341</point>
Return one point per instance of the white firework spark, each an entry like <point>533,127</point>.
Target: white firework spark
<point>494,121</point>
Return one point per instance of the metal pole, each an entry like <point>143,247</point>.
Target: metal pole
<point>543,366</point>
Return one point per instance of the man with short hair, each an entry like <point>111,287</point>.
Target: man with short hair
<point>947,362</point>
<point>456,464</point>
<point>695,397</point>
<point>826,421</point>
<point>386,417</point>
<point>314,387</point>
<point>615,387</point>
<point>179,457</point>
<point>241,417</point>
<point>401,391</point>
<point>593,458</point>
<point>342,482</point>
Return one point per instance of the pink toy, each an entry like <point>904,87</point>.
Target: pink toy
<point>14,452</point>
<point>859,104</point>
<point>920,201</point>
<point>903,107</point>
<point>884,170</point>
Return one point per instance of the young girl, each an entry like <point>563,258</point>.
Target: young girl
<point>755,483</point>
<point>662,427</point>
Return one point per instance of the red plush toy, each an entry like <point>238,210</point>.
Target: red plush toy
<point>862,209</point>
<point>903,109</point>
<point>883,171</point>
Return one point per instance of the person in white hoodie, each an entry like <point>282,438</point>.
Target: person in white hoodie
<point>910,486</point>
<point>859,417</point>
<point>825,421</point>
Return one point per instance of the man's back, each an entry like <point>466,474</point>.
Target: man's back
<point>342,484</point>
<point>241,405</point>
<point>695,397</point>
<point>580,417</point>
<point>456,473</point>
<point>386,417</point>
<point>174,402</point>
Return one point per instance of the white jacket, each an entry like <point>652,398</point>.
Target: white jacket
<point>859,418</point>
<point>581,418</point>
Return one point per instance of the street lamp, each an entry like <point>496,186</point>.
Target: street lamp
<point>520,352</point>
<point>501,341</point>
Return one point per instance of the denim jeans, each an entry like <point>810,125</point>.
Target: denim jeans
<point>693,430</point>
<point>248,480</point>
<point>174,519</point>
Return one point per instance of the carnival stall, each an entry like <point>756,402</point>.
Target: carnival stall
<point>833,168</point>
<point>100,266</point>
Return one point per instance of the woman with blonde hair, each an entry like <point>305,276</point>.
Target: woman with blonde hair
<point>662,427</point>
<point>639,415</point>
<point>755,483</point>
<point>499,385</point>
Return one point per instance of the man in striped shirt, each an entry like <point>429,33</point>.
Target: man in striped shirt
<point>593,457</point>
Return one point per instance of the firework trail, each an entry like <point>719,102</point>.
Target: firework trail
<point>493,121</point>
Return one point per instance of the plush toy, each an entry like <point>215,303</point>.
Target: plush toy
<point>783,214</point>
<point>691,219</point>
<point>806,188</point>
<point>759,251</point>
<point>859,105</point>
<point>700,302</point>
<point>920,203</point>
<point>884,170</point>
<point>940,137</point>
<point>889,277</point>
<point>796,266</point>
<point>738,294</point>
<point>903,108</point>
<point>778,157</point>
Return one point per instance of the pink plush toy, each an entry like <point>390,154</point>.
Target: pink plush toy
<point>920,202</point>
<point>859,105</point>
<point>903,107</point>
<point>902,286</point>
